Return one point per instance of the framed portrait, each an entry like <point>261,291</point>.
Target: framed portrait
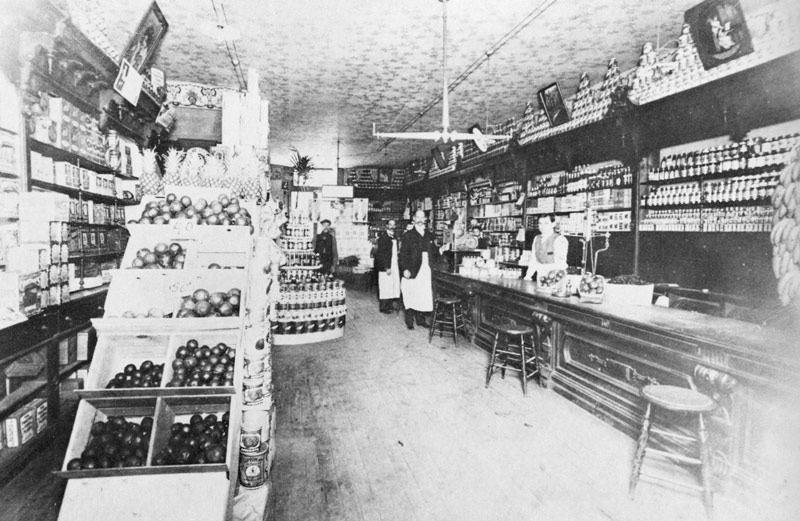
<point>719,31</point>
<point>553,105</point>
<point>144,42</point>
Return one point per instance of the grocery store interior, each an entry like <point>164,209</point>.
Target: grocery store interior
<point>270,260</point>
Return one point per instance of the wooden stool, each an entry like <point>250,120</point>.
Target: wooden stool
<point>683,400</point>
<point>452,323</point>
<point>526,362</point>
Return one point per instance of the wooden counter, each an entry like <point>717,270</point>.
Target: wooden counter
<point>600,355</point>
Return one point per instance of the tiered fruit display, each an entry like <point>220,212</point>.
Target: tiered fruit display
<point>162,256</point>
<point>785,235</point>
<point>147,374</point>
<point>591,285</point>
<point>225,211</point>
<point>115,443</point>
<point>202,440</point>
<point>203,303</point>
<point>203,366</point>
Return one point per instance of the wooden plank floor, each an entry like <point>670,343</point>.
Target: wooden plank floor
<point>382,426</point>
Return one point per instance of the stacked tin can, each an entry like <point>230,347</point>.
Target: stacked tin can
<point>257,415</point>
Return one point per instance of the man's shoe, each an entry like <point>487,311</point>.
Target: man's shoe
<point>410,326</point>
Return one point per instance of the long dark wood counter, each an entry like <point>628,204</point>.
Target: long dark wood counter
<point>600,355</point>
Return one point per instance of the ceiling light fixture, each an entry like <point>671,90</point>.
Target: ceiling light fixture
<point>225,33</point>
<point>445,135</point>
<point>529,18</point>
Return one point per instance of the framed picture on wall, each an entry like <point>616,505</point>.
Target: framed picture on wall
<point>719,31</point>
<point>553,105</point>
<point>144,42</point>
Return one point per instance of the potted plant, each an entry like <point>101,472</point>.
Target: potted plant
<point>301,166</point>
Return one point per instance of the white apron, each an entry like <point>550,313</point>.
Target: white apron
<point>389,285</point>
<point>418,292</point>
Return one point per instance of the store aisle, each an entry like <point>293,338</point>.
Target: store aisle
<point>382,426</point>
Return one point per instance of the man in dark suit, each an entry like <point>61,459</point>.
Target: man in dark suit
<point>418,253</point>
<point>387,267</point>
<point>325,247</point>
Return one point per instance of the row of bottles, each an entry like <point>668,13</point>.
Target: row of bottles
<point>295,230</point>
<point>754,155</point>
<point>683,220</point>
<point>734,189</point>
<point>733,219</point>
<point>302,258</point>
<point>305,301</point>
<point>300,325</point>
<point>502,224</point>
<point>582,178</point>
<point>311,299</point>
<point>738,219</point>
<point>296,244</point>
<point>506,253</point>
<point>303,276</point>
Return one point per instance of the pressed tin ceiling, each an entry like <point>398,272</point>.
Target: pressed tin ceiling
<point>331,69</point>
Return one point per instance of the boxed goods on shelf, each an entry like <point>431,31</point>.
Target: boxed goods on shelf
<point>68,350</point>
<point>39,406</point>
<point>20,426</point>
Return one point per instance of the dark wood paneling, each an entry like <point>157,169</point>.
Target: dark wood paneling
<point>733,263</point>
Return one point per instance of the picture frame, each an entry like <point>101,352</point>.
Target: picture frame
<point>145,40</point>
<point>553,104</point>
<point>719,31</point>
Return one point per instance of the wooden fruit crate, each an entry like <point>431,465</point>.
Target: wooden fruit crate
<point>133,409</point>
<point>140,290</point>
<point>115,350</point>
<point>231,338</point>
<point>165,411</point>
<point>173,409</point>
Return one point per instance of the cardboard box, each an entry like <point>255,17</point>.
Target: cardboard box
<point>39,406</point>
<point>28,257</point>
<point>20,427</point>
<point>43,206</point>
<point>9,198</point>
<point>42,168</point>
<point>82,352</point>
<point>44,130</point>
<point>9,290</point>
<point>66,174</point>
<point>68,350</point>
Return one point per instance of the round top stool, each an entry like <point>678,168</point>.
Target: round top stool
<point>447,300</point>
<point>678,398</point>
<point>513,329</point>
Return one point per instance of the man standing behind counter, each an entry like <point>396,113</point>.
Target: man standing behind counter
<point>418,253</point>
<point>549,249</point>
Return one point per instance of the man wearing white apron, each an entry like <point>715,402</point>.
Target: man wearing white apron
<point>387,268</point>
<point>418,252</point>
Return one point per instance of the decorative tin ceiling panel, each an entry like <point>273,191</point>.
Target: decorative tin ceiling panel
<point>332,68</point>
